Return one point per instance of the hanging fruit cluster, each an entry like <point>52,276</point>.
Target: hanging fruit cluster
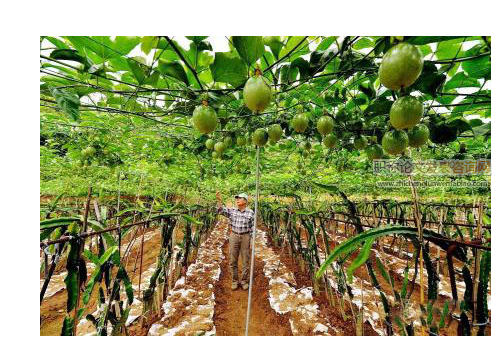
<point>400,68</point>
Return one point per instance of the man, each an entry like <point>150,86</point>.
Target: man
<point>241,221</point>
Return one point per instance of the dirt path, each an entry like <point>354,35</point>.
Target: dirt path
<point>231,306</point>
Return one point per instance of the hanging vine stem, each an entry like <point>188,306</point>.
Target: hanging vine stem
<point>180,55</point>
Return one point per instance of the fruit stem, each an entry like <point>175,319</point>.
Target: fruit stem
<point>257,72</point>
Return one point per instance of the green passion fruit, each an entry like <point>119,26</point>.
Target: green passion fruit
<point>259,137</point>
<point>395,142</point>
<point>210,144</point>
<point>219,147</point>
<point>204,119</point>
<point>325,125</point>
<point>406,112</point>
<point>215,154</point>
<point>418,135</point>
<point>241,141</point>
<point>227,142</point>
<point>300,122</point>
<point>330,141</point>
<point>257,93</point>
<point>360,142</point>
<point>374,152</point>
<point>275,132</point>
<point>401,66</point>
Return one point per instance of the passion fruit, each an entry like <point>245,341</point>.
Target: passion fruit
<point>300,122</point>
<point>257,93</point>
<point>227,142</point>
<point>418,135</point>
<point>374,152</point>
<point>330,141</point>
<point>275,132</point>
<point>215,154</point>
<point>259,137</point>
<point>406,112</point>
<point>325,125</point>
<point>219,147</point>
<point>210,144</point>
<point>360,142</point>
<point>241,141</point>
<point>401,66</point>
<point>395,142</point>
<point>90,151</point>
<point>204,119</point>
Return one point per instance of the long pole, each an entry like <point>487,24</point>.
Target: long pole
<point>82,246</point>
<point>253,242</point>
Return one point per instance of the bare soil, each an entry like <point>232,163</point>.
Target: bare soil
<point>231,306</point>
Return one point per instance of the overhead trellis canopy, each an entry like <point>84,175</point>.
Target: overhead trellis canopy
<point>156,79</point>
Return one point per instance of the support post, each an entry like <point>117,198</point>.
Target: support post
<point>255,226</point>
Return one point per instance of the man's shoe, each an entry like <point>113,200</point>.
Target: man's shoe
<point>245,286</point>
<point>235,284</point>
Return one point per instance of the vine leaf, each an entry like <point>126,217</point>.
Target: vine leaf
<point>250,48</point>
<point>229,69</point>
<point>173,69</point>
<point>68,102</point>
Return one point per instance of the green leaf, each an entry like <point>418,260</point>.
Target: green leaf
<point>350,244</point>
<point>90,285</point>
<point>71,280</point>
<point>149,43</point>
<point>379,106</point>
<point>105,257</point>
<point>62,221</point>
<point>303,67</point>
<point>461,125</point>
<point>137,70</point>
<point>104,47</point>
<point>461,80</point>
<point>68,102</point>
<point>91,256</point>
<point>292,42</point>
<point>122,275</point>
<point>444,314</point>
<point>483,130</point>
<point>360,259</point>
<point>196,39</point>
<point>449,49</point>
<point>250,48</point>
<point>70,54</point>
<point>419,40</point>
<point>173,69</point>
<point>228,69</point>
<point>430,80</point>
<point>56,42</point>
<point>479,67</point>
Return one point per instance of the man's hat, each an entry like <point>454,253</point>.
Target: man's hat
<point>242,195</point>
